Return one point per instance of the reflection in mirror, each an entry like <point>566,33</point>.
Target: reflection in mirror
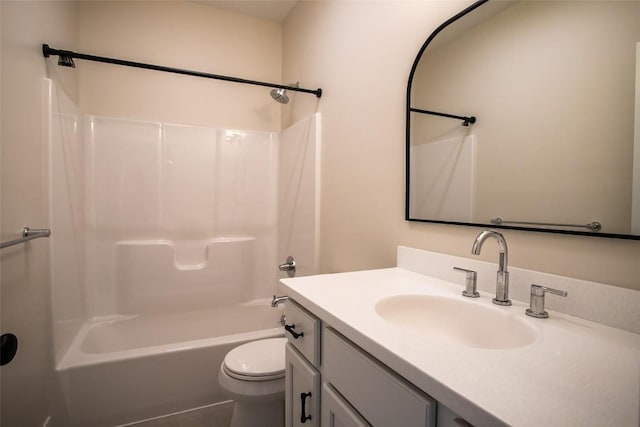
<point>553,87</point>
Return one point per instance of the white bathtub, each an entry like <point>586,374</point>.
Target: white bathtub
<point>129,368</point>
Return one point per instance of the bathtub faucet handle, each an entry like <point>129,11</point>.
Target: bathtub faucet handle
<point>289,266</point>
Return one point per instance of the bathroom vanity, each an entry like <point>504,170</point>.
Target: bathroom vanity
<point>363,349</point>
<point>354,388</point>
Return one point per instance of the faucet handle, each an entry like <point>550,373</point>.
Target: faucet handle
<point>289,266</point>
<point>471,284</point>
<point>536,302</point>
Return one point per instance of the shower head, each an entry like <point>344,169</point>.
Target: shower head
<point>65,57</point>
<point>280,95</point>
<point>66,61</point>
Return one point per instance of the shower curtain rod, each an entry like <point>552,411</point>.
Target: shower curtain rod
<point>65,59</point>
<point>465,120</point>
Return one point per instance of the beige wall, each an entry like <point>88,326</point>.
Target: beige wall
<point>25,277</point>
<point>360,53</point>
<point>182,35</point>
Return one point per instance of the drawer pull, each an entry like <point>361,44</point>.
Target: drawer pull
<point>293,333</point>
<point>303,398</point>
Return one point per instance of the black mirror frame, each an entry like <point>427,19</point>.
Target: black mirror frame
<point>407,215</point>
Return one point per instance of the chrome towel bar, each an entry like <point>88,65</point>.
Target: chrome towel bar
<point>593,226</point>
<point>27,234</point>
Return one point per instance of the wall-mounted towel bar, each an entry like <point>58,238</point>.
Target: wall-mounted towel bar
<point>593,226</point>
<point>465,120</point>
<point>65,58</point>
<point>27,234</point>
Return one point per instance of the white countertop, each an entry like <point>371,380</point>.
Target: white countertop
<point>576,372</point>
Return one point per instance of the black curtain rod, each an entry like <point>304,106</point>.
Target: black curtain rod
<point>66,55</point>
<point>465,120</point>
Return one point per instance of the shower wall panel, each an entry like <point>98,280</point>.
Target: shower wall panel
<point>188,182</point>
<point>181,217</point>
<point>63,132</point>
<point>299,194</point>
<point>123,189</point>
<point>246,174</point>
<point>247,181</point>
<point>125,157</point>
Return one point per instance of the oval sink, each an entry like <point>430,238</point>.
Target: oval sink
<point>466,322</point>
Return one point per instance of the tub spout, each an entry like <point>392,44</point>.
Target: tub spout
<point>278,300</point>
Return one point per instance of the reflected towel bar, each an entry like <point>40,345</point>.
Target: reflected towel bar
<point>593,226</point>
<point>27,234</point>
<point>65,58</point>
<point>465,120</point>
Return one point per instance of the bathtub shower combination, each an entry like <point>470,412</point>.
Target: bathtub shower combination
<point>165,250</point>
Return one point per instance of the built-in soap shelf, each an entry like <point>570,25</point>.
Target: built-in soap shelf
<point>187,254</point>
<point>158,274</point>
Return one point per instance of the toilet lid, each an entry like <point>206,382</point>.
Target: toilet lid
<point>257,358</point>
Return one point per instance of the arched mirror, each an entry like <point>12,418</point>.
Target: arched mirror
<point>521,114</point>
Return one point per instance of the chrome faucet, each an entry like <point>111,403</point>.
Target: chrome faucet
<point>278,300</point>
<point>502,280</point>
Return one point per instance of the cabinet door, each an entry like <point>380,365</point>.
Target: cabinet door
<point>302,391</point>
<point>336,412</point>
<point>379,394</point>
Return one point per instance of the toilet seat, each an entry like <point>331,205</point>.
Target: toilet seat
<point>261,360</point>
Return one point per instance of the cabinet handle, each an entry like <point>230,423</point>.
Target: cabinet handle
<point>293,333</point>
<point>303,398</point>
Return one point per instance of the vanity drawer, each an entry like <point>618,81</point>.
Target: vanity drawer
<point>378,394</point>
<point>303,331</point>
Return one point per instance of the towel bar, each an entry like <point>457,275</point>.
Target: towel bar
<point>593,226</point>
<point>27,234</point>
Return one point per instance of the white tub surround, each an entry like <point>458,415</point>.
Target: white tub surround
<point>576,372</point>
<point>128,368</point>
<point>179,218</point>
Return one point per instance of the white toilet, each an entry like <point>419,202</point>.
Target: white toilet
<point>252,375</point>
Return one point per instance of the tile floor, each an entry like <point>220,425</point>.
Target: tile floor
<point>218,415</point>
